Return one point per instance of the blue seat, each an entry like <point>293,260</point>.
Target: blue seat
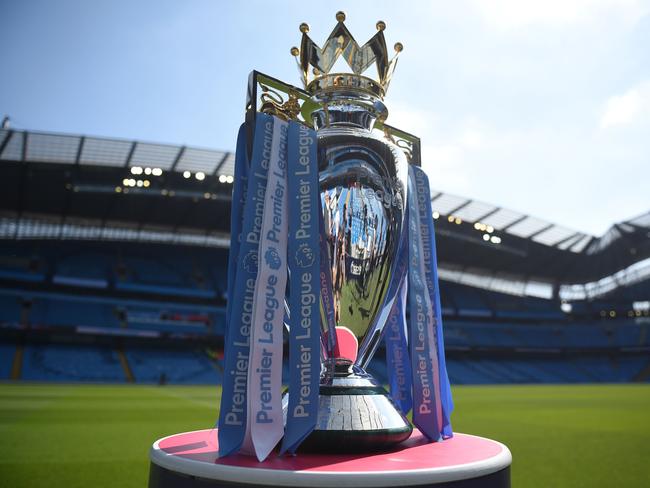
<point>59,311</point>
<point>10,308</point>
<point>178,366</point>
<point>6,360</point>
<point>169,319</point>
<point>71,363</point>
<point>89,270</point>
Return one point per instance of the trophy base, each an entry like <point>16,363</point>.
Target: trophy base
<point>355,414</point>
<point>191,460</point>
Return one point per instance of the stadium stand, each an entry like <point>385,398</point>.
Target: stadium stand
<point>84,270</point>
<point>106,278</point>
<point>62,310</point>
<point>172,366</point>
<point>6,360</point>
<point>10,309</point>
<point>53,362</point>
<point>15,264</point>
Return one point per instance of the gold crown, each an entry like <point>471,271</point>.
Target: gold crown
<point>341,43</point>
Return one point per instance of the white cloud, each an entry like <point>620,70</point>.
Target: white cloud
<point>627,108</point>
<point>444,150</point>
<point>444,164</point>
<point>558,173</point>
<point>514,14</point>
<point>410,119</point>
<point>472,137</point>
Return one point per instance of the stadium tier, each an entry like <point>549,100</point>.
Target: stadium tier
<point>52,362</point>
<point>172,366</point>
<point>113,258</point>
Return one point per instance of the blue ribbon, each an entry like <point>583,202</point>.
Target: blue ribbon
<point>232,416</point>
<point>397,356</point>
<point>236,210</point>
<point>431,270</point>
<point>421,341</point>
<point>305,266</point>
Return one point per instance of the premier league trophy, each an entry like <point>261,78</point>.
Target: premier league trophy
<point>332,241</point>
<point>321,202</point>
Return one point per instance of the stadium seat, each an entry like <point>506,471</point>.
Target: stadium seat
<point>158,277</point>
<point>155,317</point>
<point>469,301</point>
<point>71,311</point>
<point>71,363</point>
<point>89,270</point>
<point>6,360</point>
<point>19,263</point>
<point>176,366</point>
<point>10,308</point>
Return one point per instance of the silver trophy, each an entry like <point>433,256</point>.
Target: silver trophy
<point>363,172</point>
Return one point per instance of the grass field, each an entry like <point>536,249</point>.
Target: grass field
<point>83,435</point>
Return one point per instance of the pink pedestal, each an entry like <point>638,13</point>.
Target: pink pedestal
<point>465,461</point>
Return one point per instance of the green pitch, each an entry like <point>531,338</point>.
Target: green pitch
<point>80,436</point>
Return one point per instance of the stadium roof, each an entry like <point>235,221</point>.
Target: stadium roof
<point>508,221</point>
<point>60,186</point>
<point>42,147</point>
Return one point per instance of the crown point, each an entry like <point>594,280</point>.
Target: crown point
<point>295,51</point>
<point>381,25</point>
<point>340,16</point>
<point>304,27</point>
<point>399,47</point>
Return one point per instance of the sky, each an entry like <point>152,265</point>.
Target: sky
<point>541,107</point>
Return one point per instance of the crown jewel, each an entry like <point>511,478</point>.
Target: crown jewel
<point>341,43</point>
